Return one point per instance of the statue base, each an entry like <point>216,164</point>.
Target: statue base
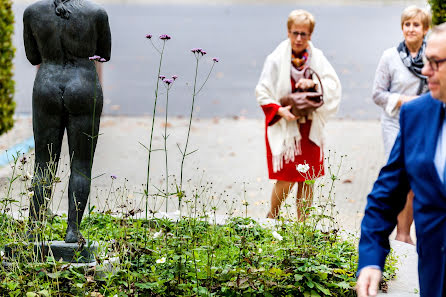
<point>57,250</point>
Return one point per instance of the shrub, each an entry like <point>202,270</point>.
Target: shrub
<point>438,11</point>
<point>7,105</point>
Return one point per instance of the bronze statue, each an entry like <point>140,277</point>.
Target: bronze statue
<point>61,35</point>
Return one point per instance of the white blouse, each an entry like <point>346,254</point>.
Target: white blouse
<point>392,79</point>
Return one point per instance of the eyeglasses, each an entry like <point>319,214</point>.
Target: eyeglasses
<point>433,63</point>
<point>303,35</point>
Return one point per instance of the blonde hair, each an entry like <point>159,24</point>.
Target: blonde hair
<point>300,16</point>
<point>412,11</point>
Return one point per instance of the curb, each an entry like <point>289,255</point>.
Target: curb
<point>9,154</point>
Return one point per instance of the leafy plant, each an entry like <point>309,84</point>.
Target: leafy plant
<point>7,50</point>
<point>438,8</point>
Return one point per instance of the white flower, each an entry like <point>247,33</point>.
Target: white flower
<point>158,234</point>
<point>260,250</point>
<point>28,175</point>
<point>303,168</point>
<point>277,236</point>
<point>30,194</point>
<point>161,261</point>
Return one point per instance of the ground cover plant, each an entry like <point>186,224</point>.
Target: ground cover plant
<point>189,257</point>
<point>193,252</point>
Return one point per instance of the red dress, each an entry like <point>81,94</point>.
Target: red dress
<point>311,153</point>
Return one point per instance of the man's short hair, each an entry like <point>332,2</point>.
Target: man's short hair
<point>412,11</point>
<point>439,29</point>
<point>301,17</point>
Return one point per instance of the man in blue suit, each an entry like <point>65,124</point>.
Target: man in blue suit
<point>417,162</point>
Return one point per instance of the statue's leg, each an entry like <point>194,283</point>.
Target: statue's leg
<point>82,138</point>
<point>48,126</point>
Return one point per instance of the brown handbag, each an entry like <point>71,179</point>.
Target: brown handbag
<point>304,102</point>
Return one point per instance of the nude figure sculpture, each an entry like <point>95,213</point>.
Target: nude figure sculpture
<point>61,35</point>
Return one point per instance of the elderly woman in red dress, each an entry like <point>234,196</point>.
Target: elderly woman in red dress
<point>291,140</point>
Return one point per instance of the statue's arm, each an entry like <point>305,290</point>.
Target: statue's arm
<point>31,48</point>
<point>103,44</point>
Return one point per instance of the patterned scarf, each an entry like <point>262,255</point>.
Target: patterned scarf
<point>299,61</point>
<point>414,64</point>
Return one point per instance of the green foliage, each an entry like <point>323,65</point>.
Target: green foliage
<point>192,257</point>
<point>7,50</point>
<point>438,11</point>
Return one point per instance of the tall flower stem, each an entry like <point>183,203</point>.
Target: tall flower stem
<point>184,153</point>
<point>165,146</point>
<point>198,54</point>
<point>146,192</point>
<point>92,137</point>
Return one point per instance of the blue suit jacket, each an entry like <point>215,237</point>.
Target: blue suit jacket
<point>410,166</point>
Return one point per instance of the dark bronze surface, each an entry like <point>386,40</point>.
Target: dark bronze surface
<point>61,36</point>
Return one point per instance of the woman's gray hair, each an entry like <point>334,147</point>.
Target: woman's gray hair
<point>62,7</point>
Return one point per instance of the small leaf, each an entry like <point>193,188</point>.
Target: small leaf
<point>298,277</point>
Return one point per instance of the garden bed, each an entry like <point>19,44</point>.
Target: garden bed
<point>190,257</point>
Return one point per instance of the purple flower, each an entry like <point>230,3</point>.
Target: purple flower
<point>203,53</point>
<point>167,81</point>
<point>94,58</point>
<point>196,50</point>
<point>164,37</point>
<point>113,176</point>
<point>174,77</point>
<point>148,36</point>
<point>215,60</point>
<point>102,60</point>
<point>162,77</point>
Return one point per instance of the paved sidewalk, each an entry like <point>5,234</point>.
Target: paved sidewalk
<point>230,163</point>
<point>231,155</point>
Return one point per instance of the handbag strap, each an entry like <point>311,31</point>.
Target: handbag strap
<point>310,73</point>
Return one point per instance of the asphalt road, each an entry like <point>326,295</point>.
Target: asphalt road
<point>241,36</point>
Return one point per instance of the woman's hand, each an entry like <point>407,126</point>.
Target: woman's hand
<point>285,113</point>
<point>305,84</point>
<point>404,99</point>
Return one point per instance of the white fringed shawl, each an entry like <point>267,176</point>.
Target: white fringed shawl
<point>274,83</point>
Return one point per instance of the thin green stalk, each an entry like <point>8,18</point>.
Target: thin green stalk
<point>206,80</point>
<point>188,130</point>
<point>194,94</point>
<point>92,136</point>
<point>165,148</point>
<point>151,137</point>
